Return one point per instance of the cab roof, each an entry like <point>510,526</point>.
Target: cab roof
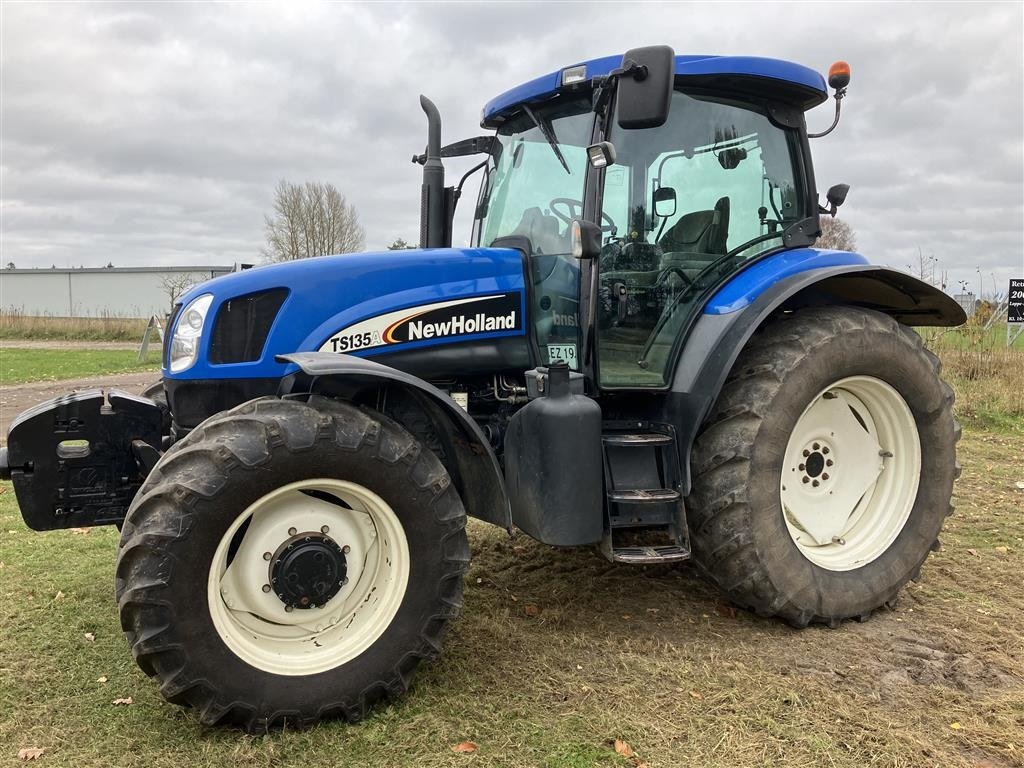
<point>794,83</point>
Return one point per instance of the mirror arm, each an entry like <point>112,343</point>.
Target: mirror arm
<point>840,93</point>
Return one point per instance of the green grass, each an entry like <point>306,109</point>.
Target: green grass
<point>648,655</point>
<point>15,325</point>
<point>23,365</point>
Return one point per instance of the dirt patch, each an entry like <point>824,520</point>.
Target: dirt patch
<point>887,659</point>
<point>16,398</point>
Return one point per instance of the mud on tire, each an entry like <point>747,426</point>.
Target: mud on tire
<point>738,528</point>
<point>205,482</point>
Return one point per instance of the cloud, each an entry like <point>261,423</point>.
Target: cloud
<point>155,133</point>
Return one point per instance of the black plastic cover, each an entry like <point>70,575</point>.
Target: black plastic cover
<point>553,466</point>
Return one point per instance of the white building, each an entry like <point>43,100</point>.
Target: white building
<point>115,291</point>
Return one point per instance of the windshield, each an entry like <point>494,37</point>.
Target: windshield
<point>724,177</point>
<point>526,177</point>
<point>533,188</point>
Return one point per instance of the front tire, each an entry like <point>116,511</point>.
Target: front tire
<point>367,547</point>
<point>823,476</point>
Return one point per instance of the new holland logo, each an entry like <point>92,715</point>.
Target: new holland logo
<point>440,320</point>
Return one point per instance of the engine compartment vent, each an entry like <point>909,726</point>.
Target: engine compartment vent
<point>242,325</point>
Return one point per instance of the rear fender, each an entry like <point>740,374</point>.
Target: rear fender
<point>473,465</point>
<point>723,330</point>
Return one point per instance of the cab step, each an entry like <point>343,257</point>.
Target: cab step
<point>638,440</point>
<point>645,520</point>
<point>670,553</point>
<point>643,496</point>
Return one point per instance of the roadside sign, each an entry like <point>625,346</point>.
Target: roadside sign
<point>1015,301</point>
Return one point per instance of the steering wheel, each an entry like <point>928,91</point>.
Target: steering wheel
<point>574,210</point>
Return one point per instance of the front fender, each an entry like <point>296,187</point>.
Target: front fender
<point>733,316</point>
<point>474,467</point>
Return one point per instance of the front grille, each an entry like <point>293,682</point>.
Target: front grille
<point>242,326</point>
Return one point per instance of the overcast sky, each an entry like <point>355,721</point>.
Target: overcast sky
<point>154,133</point>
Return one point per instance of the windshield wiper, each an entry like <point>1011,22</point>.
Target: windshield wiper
<point>549,135</point>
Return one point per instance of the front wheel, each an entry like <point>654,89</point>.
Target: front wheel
<point>290,561</point>
<point>824,474</point>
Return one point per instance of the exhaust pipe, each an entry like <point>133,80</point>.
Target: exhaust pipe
<point>432,196</point>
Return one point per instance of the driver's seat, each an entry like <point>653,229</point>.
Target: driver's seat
<point>699,232</point>
<point>542,230</point>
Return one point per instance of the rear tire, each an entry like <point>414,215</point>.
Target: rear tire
<point>802,376</point>
<point>277,469</point>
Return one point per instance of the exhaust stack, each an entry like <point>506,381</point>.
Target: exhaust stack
<point>432,196</point>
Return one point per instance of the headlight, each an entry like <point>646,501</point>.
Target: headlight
<point>188,331</point>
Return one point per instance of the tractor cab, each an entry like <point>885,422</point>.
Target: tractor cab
<point>682,201</point>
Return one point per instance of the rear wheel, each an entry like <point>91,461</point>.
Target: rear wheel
<point>290,561</point>
<point>824,474</point>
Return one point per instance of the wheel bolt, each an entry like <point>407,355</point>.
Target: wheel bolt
<point>816,446</point>
<point>266,587</point>
<point>815,483</point>
<point>828,462</point>
<point>344,581</point>
<point>292,531</point>
<point>346,549</point>
<point>801,467</point>
<point>824,475</point>
<point>324,529</point>
<point>267,555</point>
<point>806,479</point>
<point>289,608</point>
<point>825,449</point>
<point>806,452</point>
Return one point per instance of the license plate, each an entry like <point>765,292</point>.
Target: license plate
<point>564,352</point>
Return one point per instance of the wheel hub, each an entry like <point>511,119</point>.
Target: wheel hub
<point>816,463</point>
<point>308,570</point>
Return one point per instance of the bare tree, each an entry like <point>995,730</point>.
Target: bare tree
<point>311,219</point>
<point>925,269</point>
<point>836,235</point>
<point>175,284</point>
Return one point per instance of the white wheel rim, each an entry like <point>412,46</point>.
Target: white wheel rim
<point>258,626</point>
<point>851,472</point>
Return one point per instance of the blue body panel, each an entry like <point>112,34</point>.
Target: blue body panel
<point>332,292</point>
<point>691,65</point>
<point>747,285</point>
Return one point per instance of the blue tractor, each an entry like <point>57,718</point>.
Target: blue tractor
<point>641,350</point>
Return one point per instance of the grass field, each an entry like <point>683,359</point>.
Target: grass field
<point>15,325</point>
<point>558,653</point>
<point>22,365</point>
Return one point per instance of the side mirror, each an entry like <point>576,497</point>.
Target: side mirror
<point>645,86</point>
<point>601,155</point>
<point>586,239</point>
<point>664,202</point>
<point>836,196</point>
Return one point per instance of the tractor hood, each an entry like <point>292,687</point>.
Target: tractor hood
<point>377,304</point>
